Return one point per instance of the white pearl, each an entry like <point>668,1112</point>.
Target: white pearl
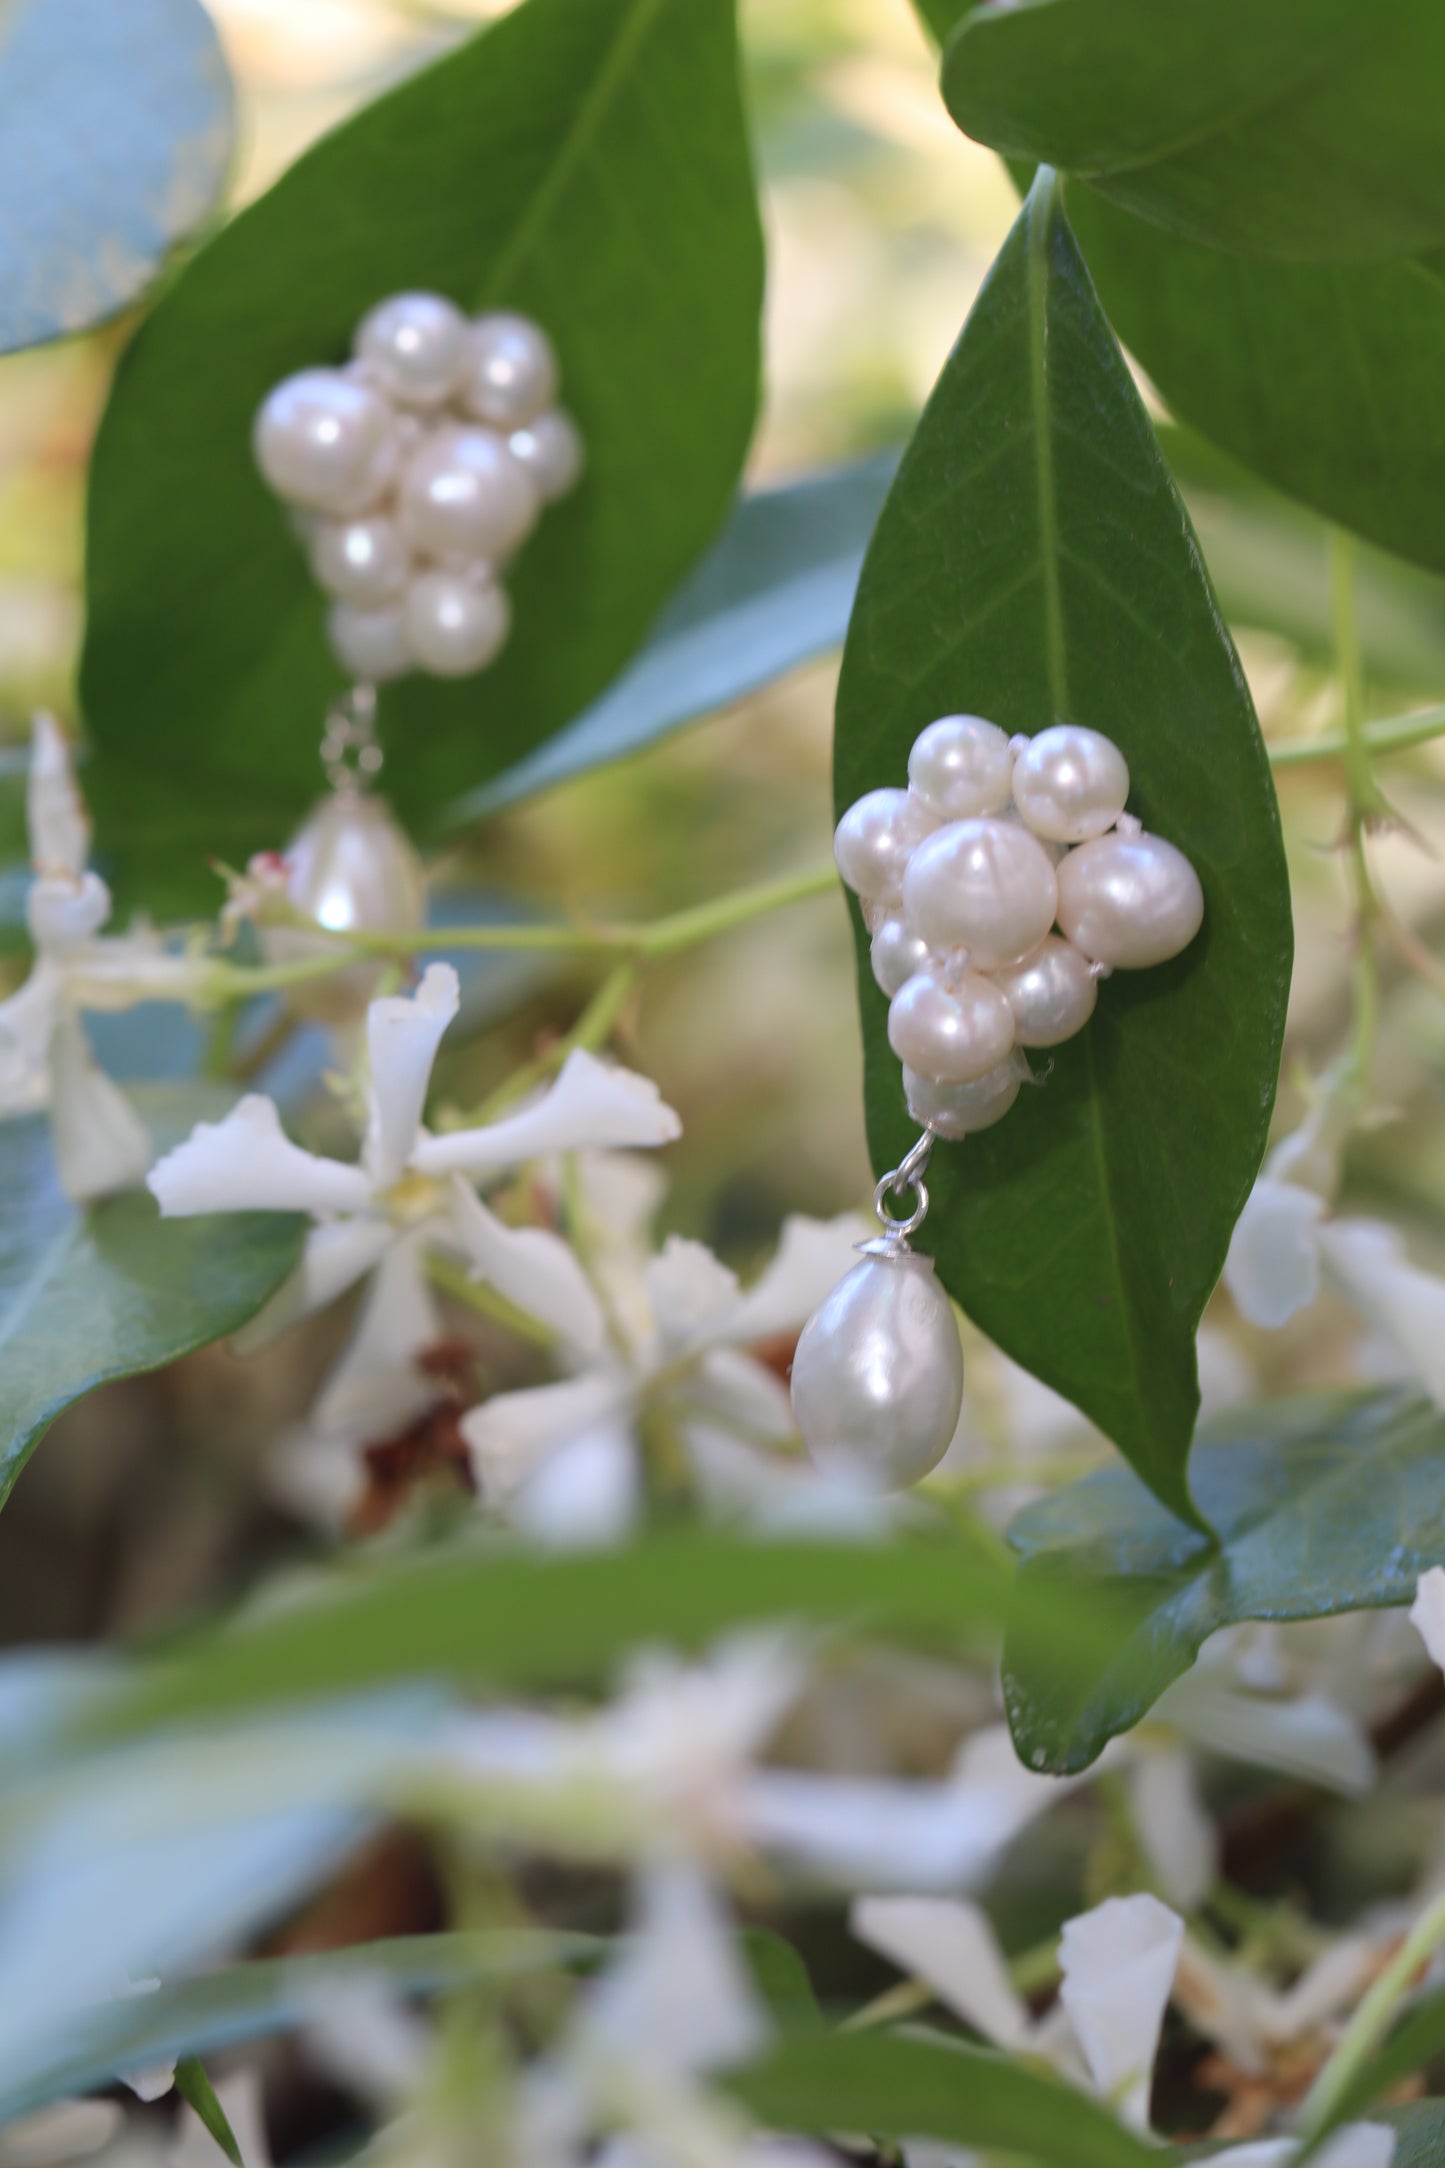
<point>363,561</point>
<point>550,448</point>
<point>455,623</point>
<point>512,372</point>
<point>463,495</point>
<point>961,766</point>
<point>897,954</point>
<point>957,1110</point>
<point>369,644</point>
<point>351,868</point>
<point>1070,783</point>
<point>416,348</point>
<point>1129,901</point>
<point>983,885</point>
<point>950,1033</point>
<point>878,1375</point>
<point>1052,993</point>
<point>874,839</point>
<point>325,442</point>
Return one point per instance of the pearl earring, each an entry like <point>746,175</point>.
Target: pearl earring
<point>999,888</point>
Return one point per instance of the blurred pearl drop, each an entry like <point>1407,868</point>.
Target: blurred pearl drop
<point>361,561</point>
<point>370,645</point>
<point>463,495</point>
<point>1052,993</point>
<point>877,1379</point>
<point>352,869</point>
<point>961,766</point>
<point>874,840</point>
<point>950,1033</point>
<point>416,346</point>
<point>957,1110</point>
<point>897,955</point>
<point>454,624</point>
<point>984,885</point>
<point>550,448</point>
<point>1129,901</point>
<point>512,373</point>
<point>325,443</point>
<point>1070,783</point>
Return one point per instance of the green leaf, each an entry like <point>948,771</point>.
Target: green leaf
<point>583,160</point>
<point>88,1296</point>
<point>781,1978</point>
<point>195,2087</point>
<point>1323,1503</point>
<point>921,2089</point>
<point>775,591</point>
<point>1422,2134</point>
<point>116,141</point>
<point>1274,128</point>
<point>1034,561</point>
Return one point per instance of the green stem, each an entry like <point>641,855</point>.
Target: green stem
<point>1394,735</point>
<point>1367,2028</point>
<point>1364,804</point>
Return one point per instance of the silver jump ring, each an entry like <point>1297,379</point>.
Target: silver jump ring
<point>891,1186</point>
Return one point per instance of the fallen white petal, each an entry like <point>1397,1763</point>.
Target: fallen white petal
<point>1273,1267</point>
<point>1367,1262</point>
<point>811,1257</point>
<point>403,1033</point>
<point>101,1143</point>
<point>1427,1613</point>
<point>247,1163</point>
<point>334,1257</point>
<point>55,812</point>
<point>1175,1828</point>
<point>591,1106</point>
<point>951,1946</point>
<point>532,1267</point>
<point>377,1385</point>
<point>1118,1963</point>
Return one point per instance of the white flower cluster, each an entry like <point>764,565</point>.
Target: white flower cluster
<point>417,472</point>
<point>964,877</point>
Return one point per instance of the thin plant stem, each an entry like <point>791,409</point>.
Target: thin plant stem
<point>1368,2026</point>
<point>1364,805</point>
<point>1396,734</point>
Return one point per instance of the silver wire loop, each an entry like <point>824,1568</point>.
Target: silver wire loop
<point>907,1175</point>
<point>349,751</point>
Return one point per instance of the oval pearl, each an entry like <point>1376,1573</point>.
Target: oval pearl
<point>512,370</point>
<point>352,869</point>
<point>1129,901</point>
<point>983,885</point>
<point>874,840</point>
<point>454,624</point>
<point>961,766</point>
<point>369,644</point>
<point>363,561</point>
<point>550,448</point>
<point>877,1379</point>
<point>415,346</point>
<point>1052,993</point>
<point>325,443</point>
<point>950,1033</point>
<point>463,495</point>
<point>957,1110</point>
<point>897,954</point>
<point>1070,783</point>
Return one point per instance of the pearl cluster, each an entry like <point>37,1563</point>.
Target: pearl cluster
<point>999,887</point>
<point>416,472</point>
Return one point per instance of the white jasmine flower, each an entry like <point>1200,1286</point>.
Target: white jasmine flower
<point>377,1216</point>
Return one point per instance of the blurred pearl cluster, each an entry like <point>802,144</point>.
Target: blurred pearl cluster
<point>999,887</point>
<point>416,472</point>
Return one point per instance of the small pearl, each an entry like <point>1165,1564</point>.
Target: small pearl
<point>512,373</point>
<point>464,495</point>
<point>874,839</point>
<point>1129,901</point>
<point>897,953</point>
<point>416,348</point>
<point>961,766</point>
<point>550,448</point>
<point>950,1033</point>
<point>325,443</point>
<point>1070,783</point>
<point>983,885</point>
<point>877,1379</point>
<point>957,1110</point>
<point>363,561</point>
<point>1052,993</point>
<point>369,644</point>
<point>454,623</point>
<point>351,868</point>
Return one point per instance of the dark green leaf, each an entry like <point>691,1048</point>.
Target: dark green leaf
<point>87,1296</point>
<point>585,161</point>
<point>196,2088</point>
<point>1422,2134</point>
<point>1034,561</point>
<point>116,139</point>
<point>1274,128</point>
<point>1324,1503</point>
<point>921,2089</point>
<point>774,591</point>
<point>781,1978</point>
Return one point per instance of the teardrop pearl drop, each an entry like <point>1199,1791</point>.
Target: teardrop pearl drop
<point>352,869</point>
<point>878,1375</point>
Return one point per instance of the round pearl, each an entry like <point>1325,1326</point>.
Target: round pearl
<point>950,1033</point>
<point>512,371</point>
<point>1052,993</point>
<point>325,442</point>
<point>350,868</point>
<point>463,495</point>
<point>454,624</point>
<point>1070,783</point>
<point>878,1375</point>
<point>962,766</point>
<point>874,839</point>
<point>1129,901</point>
<point>369,644</point>
<point>984,885</point>
<point>550,448</point>
<point>363,561</point>
<point>897,954</point>
<point>415,346</point>
<point>957,1110</point>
